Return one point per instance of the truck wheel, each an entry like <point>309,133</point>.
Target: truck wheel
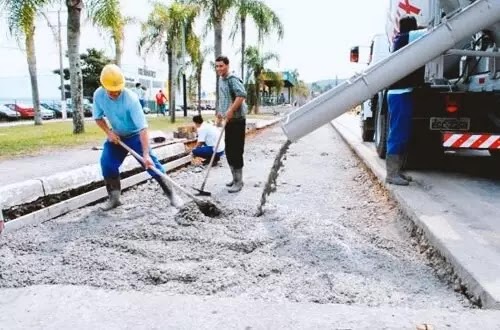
<point>367,131</point>
<point>381,129</point>
<point>367,125</point>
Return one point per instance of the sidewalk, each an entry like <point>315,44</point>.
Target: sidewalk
<point>27,168</point>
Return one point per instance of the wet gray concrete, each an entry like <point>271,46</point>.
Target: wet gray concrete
<point>328,234</point>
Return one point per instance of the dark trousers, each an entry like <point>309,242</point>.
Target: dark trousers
<point>235,142</point>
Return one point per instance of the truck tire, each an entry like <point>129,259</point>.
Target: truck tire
<point>367,125</point>
<point>381,126</point>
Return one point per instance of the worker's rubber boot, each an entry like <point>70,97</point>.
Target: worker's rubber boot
<point>406,177</point>
<point>113,187</point>
<point>230,184</point>
<point>238,181</point>
<point>175,200</point>
<point>393,166</point>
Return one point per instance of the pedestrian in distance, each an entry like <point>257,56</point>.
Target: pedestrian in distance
<point>127,123</point>
<point>208,135</point>
<point>232,107</point>
<point>160,102</point>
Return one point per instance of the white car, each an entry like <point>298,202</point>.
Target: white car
<point>46,113</point>
<point>8,114</point>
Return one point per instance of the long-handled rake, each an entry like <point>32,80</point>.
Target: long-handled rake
<point>206,207</point>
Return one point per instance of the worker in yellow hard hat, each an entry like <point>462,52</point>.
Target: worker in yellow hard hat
<point>127,123</point>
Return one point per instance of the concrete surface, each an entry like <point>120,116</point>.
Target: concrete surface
<point>64,170</point>
<point>457,206</point>
<point>328,235</point>
<point>63,307</point>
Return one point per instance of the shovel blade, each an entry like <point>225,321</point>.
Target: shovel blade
<point>202,192</point>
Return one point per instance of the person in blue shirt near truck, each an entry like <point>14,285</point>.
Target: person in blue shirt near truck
<point>400,101</point>
<point>127,123</point>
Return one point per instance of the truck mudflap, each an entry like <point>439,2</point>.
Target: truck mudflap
<point>478,141</point>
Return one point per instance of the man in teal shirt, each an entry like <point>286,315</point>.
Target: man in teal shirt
<point>124,113</point>
<point>233,108</point>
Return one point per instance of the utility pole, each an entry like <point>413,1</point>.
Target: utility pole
<point>61,68</point>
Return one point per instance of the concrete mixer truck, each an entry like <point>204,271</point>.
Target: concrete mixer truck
<point>458,105</point>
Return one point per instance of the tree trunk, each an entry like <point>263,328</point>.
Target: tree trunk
<point>243,20</point>
<point>74,22</point>
<point>198,81</point>
<point>172,77</point>
<point>118,50</point>
<point>218,52</point>
<point>257,92</point>
<point>31,57</point>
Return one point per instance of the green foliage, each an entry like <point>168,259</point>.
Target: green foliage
<point>92,63</point>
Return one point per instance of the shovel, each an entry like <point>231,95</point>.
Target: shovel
<point>201,191</point>
<point>207,208</point>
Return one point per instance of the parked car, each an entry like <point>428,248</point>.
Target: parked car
<point>56,107</point>
<point>87,107</point>
<point>46,113</point>
<point>8,114</point>
<point>26,111</point>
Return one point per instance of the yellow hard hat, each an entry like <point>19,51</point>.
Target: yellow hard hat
<point>112,78</point>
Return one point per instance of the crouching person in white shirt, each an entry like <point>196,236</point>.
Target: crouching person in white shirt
<point>208,135</point>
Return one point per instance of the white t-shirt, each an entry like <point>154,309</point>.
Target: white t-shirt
<point>209,134</point>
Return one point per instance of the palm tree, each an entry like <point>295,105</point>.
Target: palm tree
<point>163,32</point>
<point>198,59</point>
<point>106,14</point>
<point>256,64</point>
<point>265,20</point>
<point>216,11</point>
<point>21,22</point>
<point>76,81</point>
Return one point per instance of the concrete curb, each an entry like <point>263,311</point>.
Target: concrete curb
<point>474,264</point>
<point>31,190</point>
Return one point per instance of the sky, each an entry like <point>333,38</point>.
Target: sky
<point>318,37</point>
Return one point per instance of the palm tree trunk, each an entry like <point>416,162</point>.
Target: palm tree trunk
<point>257,92</point>
<point>76,80</point>
<point>218,52</point>
<point>243,20</point>
<point>118,51</point>
<point>172,77</point>
<point>198,82</point>
<point>30,50</point>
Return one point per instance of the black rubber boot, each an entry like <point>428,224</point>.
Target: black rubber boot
<point>230,184</point>
<point>393,165</point>
<point>238,181</point>
<point>175,200</point>
<point>113,187</point>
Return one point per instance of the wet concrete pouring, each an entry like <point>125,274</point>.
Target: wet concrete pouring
<point>327,233</point>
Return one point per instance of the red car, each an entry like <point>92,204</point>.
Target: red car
<point>24,110</point>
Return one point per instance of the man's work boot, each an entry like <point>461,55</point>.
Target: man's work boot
<point>400,172</point>
<point>113,187</point>
<point>238,181</point>
<point>230,184</point>
<point>175,200</point>
<point>393,166</point>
